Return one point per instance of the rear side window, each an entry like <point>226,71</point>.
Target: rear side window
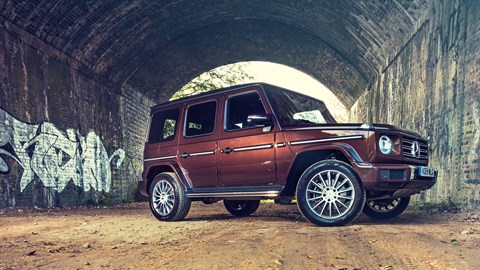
<point>164,125</point>
<point>200,119</point>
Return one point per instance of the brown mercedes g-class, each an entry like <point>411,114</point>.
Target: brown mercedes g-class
<point>251,142</point>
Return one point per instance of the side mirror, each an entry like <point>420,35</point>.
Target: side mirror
<point>261,120</point>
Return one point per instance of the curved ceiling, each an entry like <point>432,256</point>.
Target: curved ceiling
<point>157,46</point>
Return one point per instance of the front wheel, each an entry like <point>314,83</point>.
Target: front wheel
<point>241,208</point>
<point>386,208</point>
<point>167,198</point>
<point>330,194</point>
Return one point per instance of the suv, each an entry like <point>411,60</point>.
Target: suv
<point>251,142</point>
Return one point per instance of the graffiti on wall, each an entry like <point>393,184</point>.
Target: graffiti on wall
<point>54,156</point>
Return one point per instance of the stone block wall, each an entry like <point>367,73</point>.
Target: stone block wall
<point>432,86</point>
<point>66,136</point>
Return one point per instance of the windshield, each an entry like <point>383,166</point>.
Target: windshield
<point>294,109</point>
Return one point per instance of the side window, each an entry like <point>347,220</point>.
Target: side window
<point>200,119</point>
<point>163,126</point>
<point>240,107</point>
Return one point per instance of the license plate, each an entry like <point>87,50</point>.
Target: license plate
<point>426,171</point>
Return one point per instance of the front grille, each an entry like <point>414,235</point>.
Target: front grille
<point>412,148</point>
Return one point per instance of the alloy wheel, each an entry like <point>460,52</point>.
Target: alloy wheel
<point>330,194</point>
<point>163,197</point>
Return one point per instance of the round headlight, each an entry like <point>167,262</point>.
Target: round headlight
<point>385,144</point>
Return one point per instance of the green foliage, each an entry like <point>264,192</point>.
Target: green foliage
<point>220,77</point>
<point>101,199</point>
<point>169,128</point>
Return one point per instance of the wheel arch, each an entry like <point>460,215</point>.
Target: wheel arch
<point>308,157</point>
<point>162,168</point>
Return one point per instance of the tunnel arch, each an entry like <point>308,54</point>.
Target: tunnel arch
<point>145,43</point>
<point>247,41</point>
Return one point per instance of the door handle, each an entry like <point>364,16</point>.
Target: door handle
<point>184,155</point>
<point>227,150</point>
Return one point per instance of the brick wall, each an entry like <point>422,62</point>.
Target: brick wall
<point>431,86</point>
<point>66,137</point>
<point>470,146</point>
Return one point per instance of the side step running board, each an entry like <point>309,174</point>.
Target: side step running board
<point>272,191</point>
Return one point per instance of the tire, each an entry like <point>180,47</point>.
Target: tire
<point>387,208</point>
<point>241,208</point>
<point>283,201</point>
<point>329,193</point>
<point>167,198</point>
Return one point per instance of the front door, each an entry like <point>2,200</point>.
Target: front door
<point>246,152</point>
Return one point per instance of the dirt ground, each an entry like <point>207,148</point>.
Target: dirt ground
<point>275,237</point>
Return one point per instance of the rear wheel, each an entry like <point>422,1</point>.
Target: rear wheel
<point>241,208</point>
<point>386,208</point>
<point>330,194</point>
<point>167,198</point>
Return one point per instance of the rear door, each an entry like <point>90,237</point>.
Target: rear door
<point>197,149</point>
<point>247,155</point>
<point>162,140</point>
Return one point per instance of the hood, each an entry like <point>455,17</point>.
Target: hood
<point>394,128</point>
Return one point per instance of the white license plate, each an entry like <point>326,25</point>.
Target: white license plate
<point>426,171</point>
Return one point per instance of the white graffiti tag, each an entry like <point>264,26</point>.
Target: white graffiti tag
<point>56,157</point>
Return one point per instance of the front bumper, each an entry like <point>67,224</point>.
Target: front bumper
<point>400,179</point>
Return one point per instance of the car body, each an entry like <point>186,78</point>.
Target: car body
<point>257,141</point>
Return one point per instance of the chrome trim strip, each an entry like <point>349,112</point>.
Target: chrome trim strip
<point>159,158</point>
<point>325,128</point>
<point>366,165</point>
<point>202,153</point>
<point>248,148</point>
<point>327,140</point>
<point>362,127</point>
<point>272,193</point>
<point>281,144</point>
